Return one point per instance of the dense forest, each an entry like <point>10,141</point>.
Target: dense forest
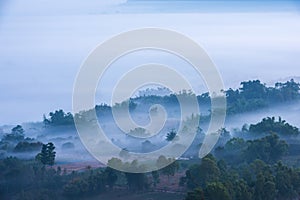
<point>251,96</point>
<point>257,161</point>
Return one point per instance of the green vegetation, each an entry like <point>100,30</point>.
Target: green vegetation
<point>239,169</point>
<point>16,135</point>
<point>269,124</point>
<point>214,179</point>
<point>59,118</point>
<point>28,146</point>
<point>171,135</point>
<point>252,165</point>
<point>270,149</point>
<point>254,95</point>
<point>15,141</point>
<point>47,154</point>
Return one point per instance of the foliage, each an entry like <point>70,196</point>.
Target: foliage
<point>196,194</point>
<point>28,180</point>
<point>270,149</point>
<point>269,124</point>
<point>254,95</point>
<point>91,185</point>
<point>59,118</point>
<point>216,190</point>
<point>135,181</point>
<point>256,180</point>
<point>28,146</point>
<point>47,154</point>
<point>200,175</point>
<point>16,135</point>
<point>171,135</point>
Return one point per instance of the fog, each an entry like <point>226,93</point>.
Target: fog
<point>43,45</point>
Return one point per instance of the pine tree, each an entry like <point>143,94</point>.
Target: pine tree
<point>47,154</point>
<point>50,153</point>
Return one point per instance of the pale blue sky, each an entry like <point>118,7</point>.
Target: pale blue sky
<point>44,42</point>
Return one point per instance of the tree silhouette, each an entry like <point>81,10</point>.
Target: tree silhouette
<point>171,135</point>
<point>17,134</point>
<point>47,154</point>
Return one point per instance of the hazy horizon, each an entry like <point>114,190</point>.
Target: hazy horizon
<point>43,46</point>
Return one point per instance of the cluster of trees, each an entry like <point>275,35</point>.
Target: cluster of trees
<point>242,170</point>
<point>26,146</point>
<point>16,135</point>
<point>269,124</point>
<point>254,95</point>
<point>38,179</point>
<point>160,91</point>
<point>24,180</point>
<point>140,181</point>
<point>59,118</point>
<point>93,183</point>
<point>15,141</point>
<point>247,169</point>
<point>269,149</point>
<point>268,146</point>
<point>214,179</point>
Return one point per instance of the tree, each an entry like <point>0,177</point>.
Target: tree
<point>136,181</point>
<point>200,175</point>
<point>171,135</point>
<point>155,177</point>
<point>265,188</point>
<point>18,130</point>
<point>85,186</point>
<point>51,153</point>
<point>216,190</point>
<point>253,89</point>
<point>47,154</point>
<point>242,191</point>
<point>269,149</point>
<point>16,135</point>
<point>284,179</point>
<point>110,176</point>
<point>196,194</point>
<point>288,90</point>
<point>59,118</point>
<point>28,146</point>
<point>270,124</point>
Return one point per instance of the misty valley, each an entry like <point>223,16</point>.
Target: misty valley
<point>255,157</point>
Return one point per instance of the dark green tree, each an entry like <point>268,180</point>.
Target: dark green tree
<point>216,190</point>
<point>47,154</point>
<point>196,194</point>
<point>200,175</point>
<point>51,153</point>
<point>59,118</point>
<point>16,135</point>
<point>270,124</point>
<point>269,149</point>
<point>171,135</point>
